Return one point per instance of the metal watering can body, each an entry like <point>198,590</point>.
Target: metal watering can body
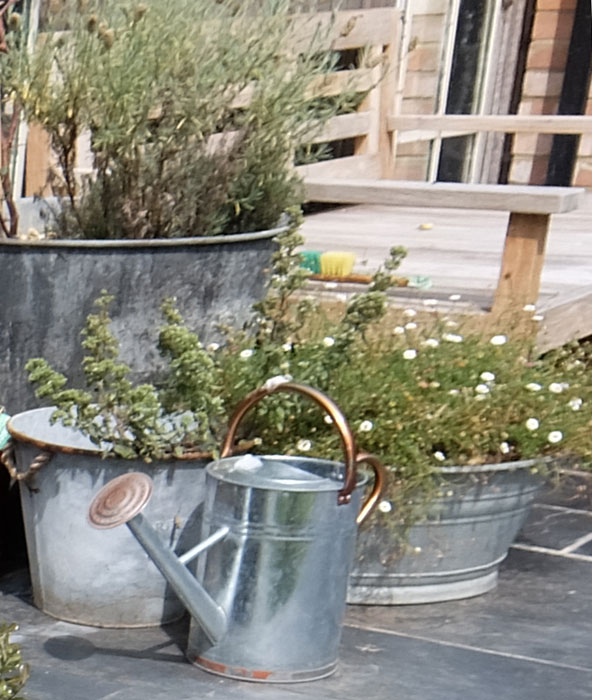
<point>278,539</point>
<point>281,572</point>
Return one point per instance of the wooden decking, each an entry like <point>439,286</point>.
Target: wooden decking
<point>461,254</point>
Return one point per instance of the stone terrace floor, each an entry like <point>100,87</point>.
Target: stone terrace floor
<point>529,639</point>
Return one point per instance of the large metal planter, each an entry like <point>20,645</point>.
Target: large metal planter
<point>48,289</point>
<point>456,550</point>
<point>78,573</point>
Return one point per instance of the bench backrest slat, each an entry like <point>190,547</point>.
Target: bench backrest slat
<point>527,199</point>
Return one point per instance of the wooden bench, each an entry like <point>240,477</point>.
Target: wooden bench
<point>530,209</point>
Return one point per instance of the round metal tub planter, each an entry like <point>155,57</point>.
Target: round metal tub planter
<point>79,574</point>
<point>50,287</point>
<point>456,550</point>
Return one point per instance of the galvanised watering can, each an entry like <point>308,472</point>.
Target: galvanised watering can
<point>279,532</point>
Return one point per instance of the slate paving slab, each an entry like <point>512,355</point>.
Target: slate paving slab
<point>541,609</point>
<point>585,548</point>
<point>554,527</point>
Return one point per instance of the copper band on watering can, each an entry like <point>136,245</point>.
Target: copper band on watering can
<point>352,457</point>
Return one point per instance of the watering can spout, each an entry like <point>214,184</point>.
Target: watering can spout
<point>121,501</point>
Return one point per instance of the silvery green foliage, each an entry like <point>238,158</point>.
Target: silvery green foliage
<point>191,109</point>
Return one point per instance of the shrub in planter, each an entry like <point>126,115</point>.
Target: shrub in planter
<point>189,113</point>
<point>190,110</point>
<point>469,424</point>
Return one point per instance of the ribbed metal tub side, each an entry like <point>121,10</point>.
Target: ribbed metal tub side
<point>456,550</point>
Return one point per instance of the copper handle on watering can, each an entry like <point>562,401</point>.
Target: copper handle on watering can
<point>352,457</point>
<point>379,481</point>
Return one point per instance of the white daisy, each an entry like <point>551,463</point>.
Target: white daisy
<point>385,506</point>
<point>328,341</point>
<point>555,436</point>
<point>452,337</point>
<point>366,426</point>
<point>533,386</point>
<point>499,340</point>
<point>575,404</point>
<point>440,456</point>
<point>303,445</point>
<point>487,376</point>
<point>532,424</point>
<point>409,354</point>
<point>246,353</point>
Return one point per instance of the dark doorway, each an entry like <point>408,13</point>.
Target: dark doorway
<point>463,90</point>
<point>576,83</point>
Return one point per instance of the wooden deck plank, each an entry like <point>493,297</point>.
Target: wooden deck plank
<point>349,29</point>
<point>502,123</point>
<point>461,254</point>
<point>365,166</point>
<point>566,318</point>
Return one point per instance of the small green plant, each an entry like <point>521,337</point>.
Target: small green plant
<point>13,672</point>
<point>186,410</point>
<point>191,112</point>
<point>129,420</point>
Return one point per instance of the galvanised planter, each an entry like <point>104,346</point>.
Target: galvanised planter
<point>48,289</point>
<point>456,550</point>
<point>82,575</point>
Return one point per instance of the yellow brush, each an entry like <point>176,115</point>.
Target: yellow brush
<point>337,264</point>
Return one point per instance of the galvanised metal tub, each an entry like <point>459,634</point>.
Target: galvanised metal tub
<point>455,551</point>
<point>48,288</point>
<point>79,574</point>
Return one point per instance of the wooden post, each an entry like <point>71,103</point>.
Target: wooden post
<point>522,261</point>
<point>368,144</point>
<point>37,162</point>
<point>388,88</point>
